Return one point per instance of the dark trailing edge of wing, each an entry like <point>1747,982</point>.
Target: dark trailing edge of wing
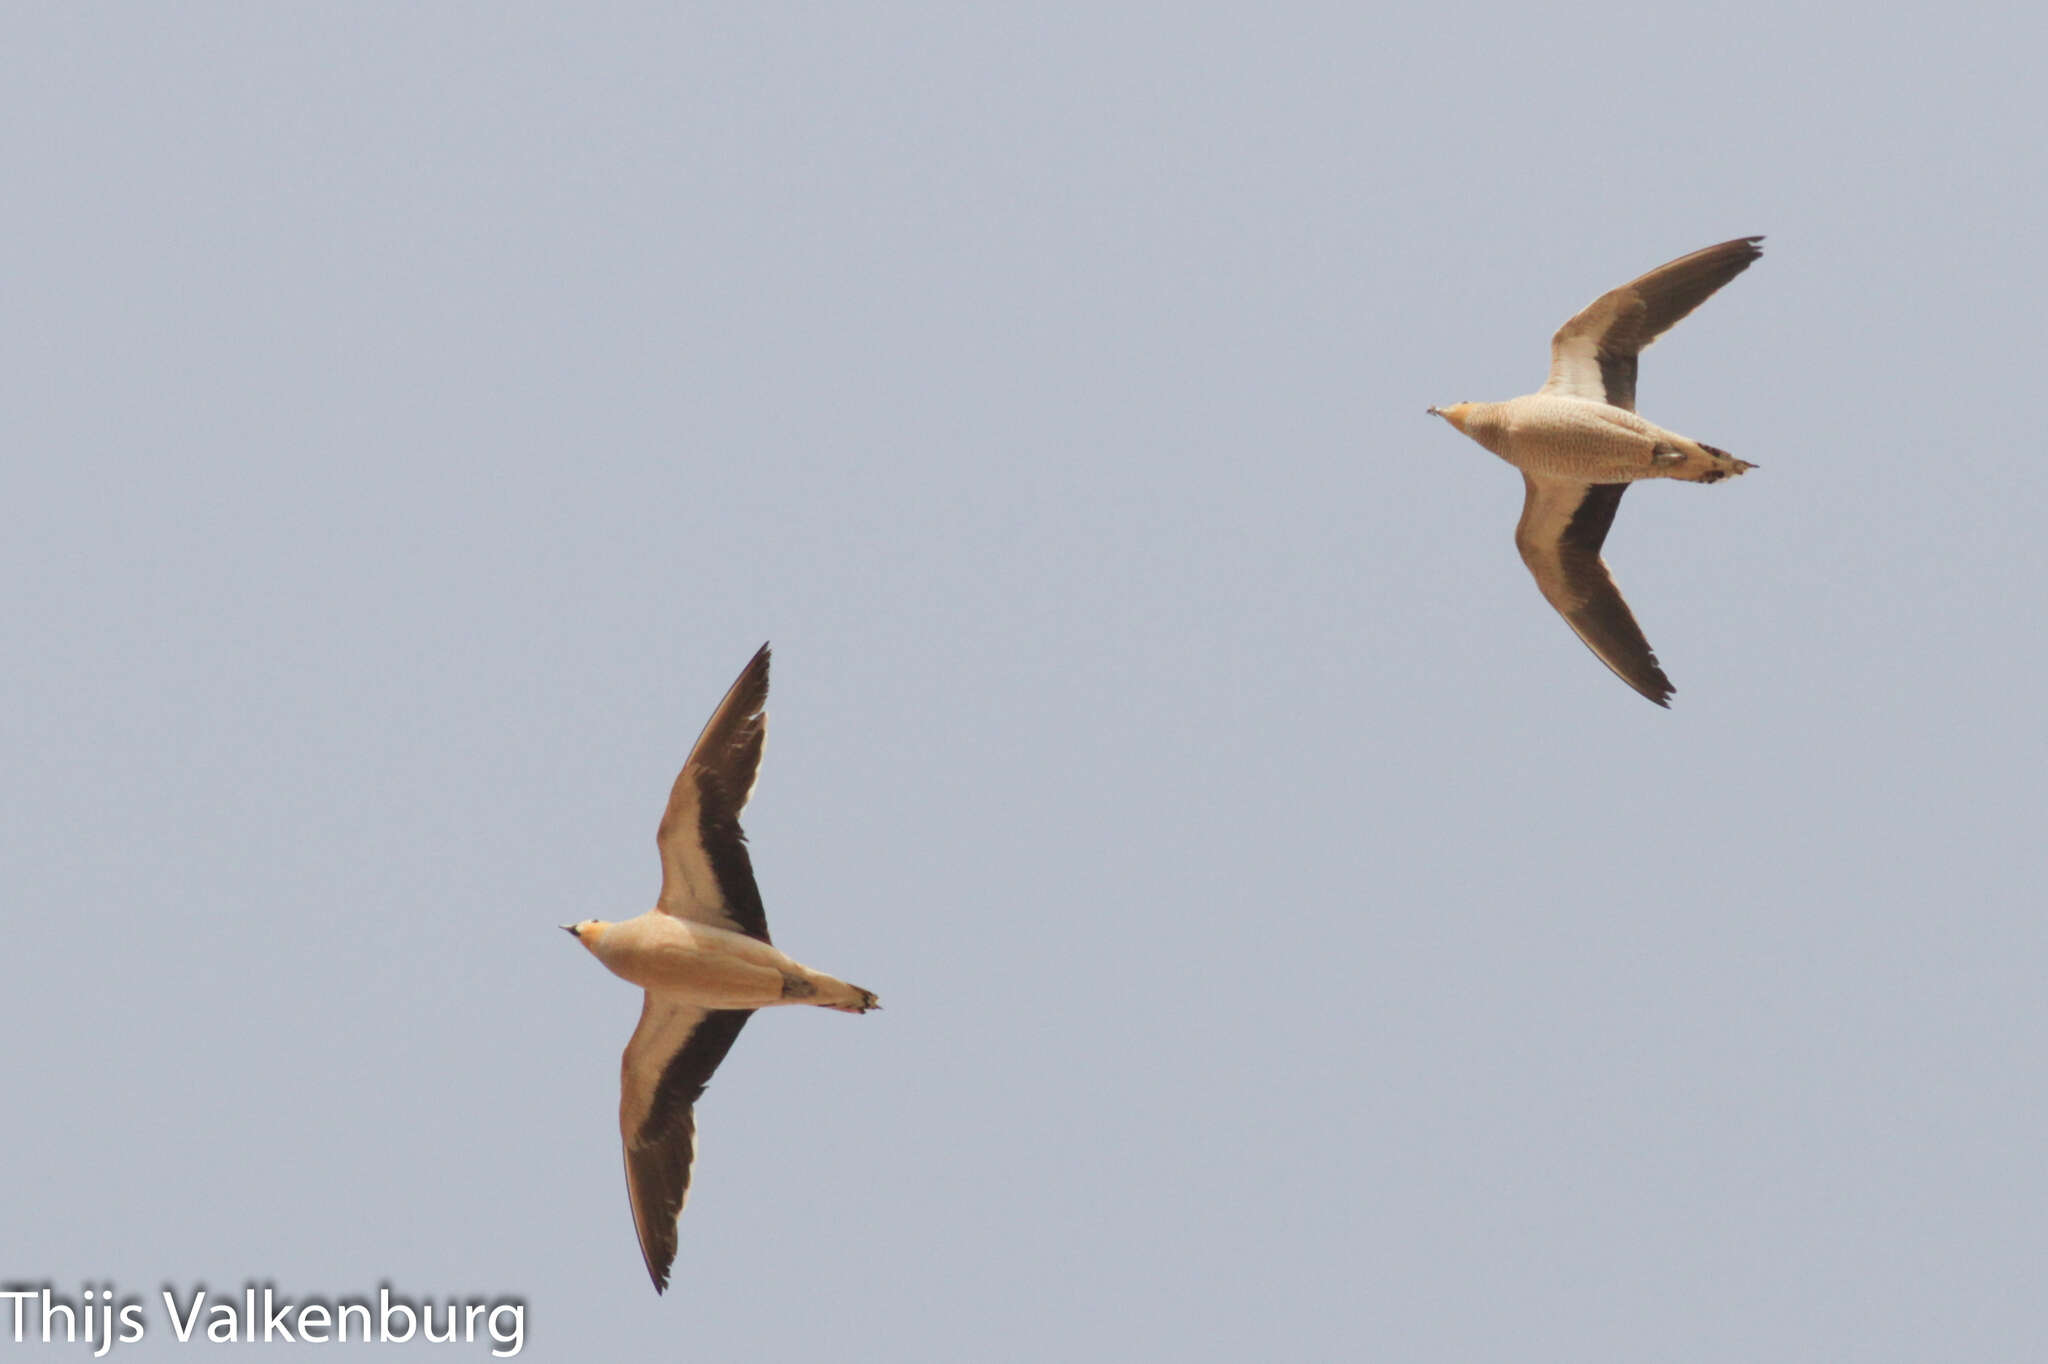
<point>1603,619</point>
<point>725,847</point>
<point>1672,291</point>
<point>730,745</point>
<point>662,1150</point>
<point>1587,530</point>
<point>1656,302</point>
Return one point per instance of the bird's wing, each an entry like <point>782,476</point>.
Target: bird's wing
<point>666,1066</point>
<point>1594,355</point>
<point>1562,528</point>
<point>706,875</point>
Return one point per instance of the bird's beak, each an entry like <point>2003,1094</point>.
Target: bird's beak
<point>1436,412</point>
<point>570,929</point>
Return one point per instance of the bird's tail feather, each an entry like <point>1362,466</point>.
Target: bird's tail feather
<point>1720,465</point>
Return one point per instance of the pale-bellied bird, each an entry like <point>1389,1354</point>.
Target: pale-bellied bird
<point>702,955</point>
<point>1579,444</point>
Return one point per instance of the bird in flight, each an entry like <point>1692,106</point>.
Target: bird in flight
<point>702,955</point>
<point>1579,444</point>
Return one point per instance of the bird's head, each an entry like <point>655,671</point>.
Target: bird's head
<point>1456,414</point>
<point>588,932</point>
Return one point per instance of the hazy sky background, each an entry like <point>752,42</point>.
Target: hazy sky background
<point>1295,944</point>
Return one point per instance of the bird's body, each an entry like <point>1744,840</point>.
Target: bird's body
<point>702,955</point>
<point>1554,437</point>
<point>1579,443</point>
<point>715,967</point>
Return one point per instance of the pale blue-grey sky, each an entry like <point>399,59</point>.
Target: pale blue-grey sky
<point>1294,943</point>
